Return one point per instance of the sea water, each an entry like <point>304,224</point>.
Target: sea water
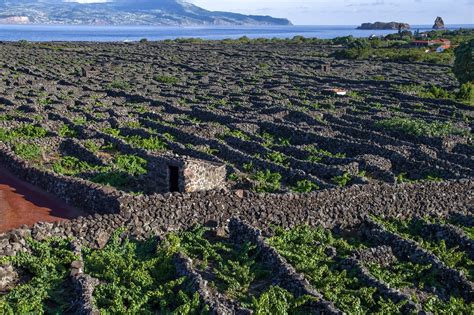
<point>134,33</point>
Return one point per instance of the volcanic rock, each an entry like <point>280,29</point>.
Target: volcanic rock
<point>384,26</point>
<point>438,24</point>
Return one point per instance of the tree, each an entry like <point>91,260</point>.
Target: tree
<point>466,93</point>
<point>463,65</point>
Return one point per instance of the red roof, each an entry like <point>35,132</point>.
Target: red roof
<point>440,41</point>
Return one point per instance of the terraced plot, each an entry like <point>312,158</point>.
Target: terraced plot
<point>108,113</point>
<point>303,270</point>
<point>150,139</point>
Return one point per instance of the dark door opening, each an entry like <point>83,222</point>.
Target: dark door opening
<point>174,178</point>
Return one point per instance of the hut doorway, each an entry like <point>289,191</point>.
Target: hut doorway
<point>174,178</point>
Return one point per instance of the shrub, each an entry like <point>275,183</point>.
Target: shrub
<point>152,143</point>
<point>139,278</point>
<point>27,151</point>
<point>5,117</point>
<point>268,139</point>
<point>421,91</point>
<point>437,92</point>
<point>131,164</point>
<point>463,64</point>
<point>80,121</point>
<point>358,49</point>
<point>326,273</point>
<point>343,179</point>
<point>119,180</point>
<point>395,54</point>
<point>112,131</point>
<point>66,131</point>
<point>321,152</point>
<point>70,165</point>
<point>166,79</point>
<point>30,131</point>
<point>119,85</point>
<point>279,301</point>
<point>466,93</point>
<point>48,266</point>
<point>168,136</point>
<point>267,181</point>
<point>277,157</point>
<point>5,135</point>
<point>92,146</point>
<point>237,134</point>
<point>305,186</point>
<point>419,127</point>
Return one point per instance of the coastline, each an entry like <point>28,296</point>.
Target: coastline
<point>114,33</point>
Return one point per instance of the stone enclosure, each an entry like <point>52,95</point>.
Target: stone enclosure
<point>238,137</point>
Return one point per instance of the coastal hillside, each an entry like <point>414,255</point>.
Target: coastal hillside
<point>123,12</point>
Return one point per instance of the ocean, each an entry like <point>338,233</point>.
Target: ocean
<point>134,33</point>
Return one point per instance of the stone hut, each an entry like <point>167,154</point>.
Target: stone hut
<point>185,174</point>
<point>326,67</point>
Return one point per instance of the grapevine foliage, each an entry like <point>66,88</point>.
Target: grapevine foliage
<point>139,278</point>
<point>46,288</point>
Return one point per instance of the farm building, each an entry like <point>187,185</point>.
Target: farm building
<point>446,43</point>
<point>185,174</point>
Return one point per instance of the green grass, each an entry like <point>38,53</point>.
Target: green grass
<point>419,127</point>
<point>464,94</point>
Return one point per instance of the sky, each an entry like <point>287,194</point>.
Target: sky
<point>351,12</point>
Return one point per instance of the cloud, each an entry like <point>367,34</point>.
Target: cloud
<point>350,12</point>
<point>373,4</point>
<point>89,1</point>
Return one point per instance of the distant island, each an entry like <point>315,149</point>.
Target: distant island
<point>123,12</point>
<point>438,24</point>
<point>384,26</point>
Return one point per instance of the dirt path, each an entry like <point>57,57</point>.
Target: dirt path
<point>22,203</point>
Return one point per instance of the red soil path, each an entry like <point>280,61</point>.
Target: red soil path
<point>22,203</point>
